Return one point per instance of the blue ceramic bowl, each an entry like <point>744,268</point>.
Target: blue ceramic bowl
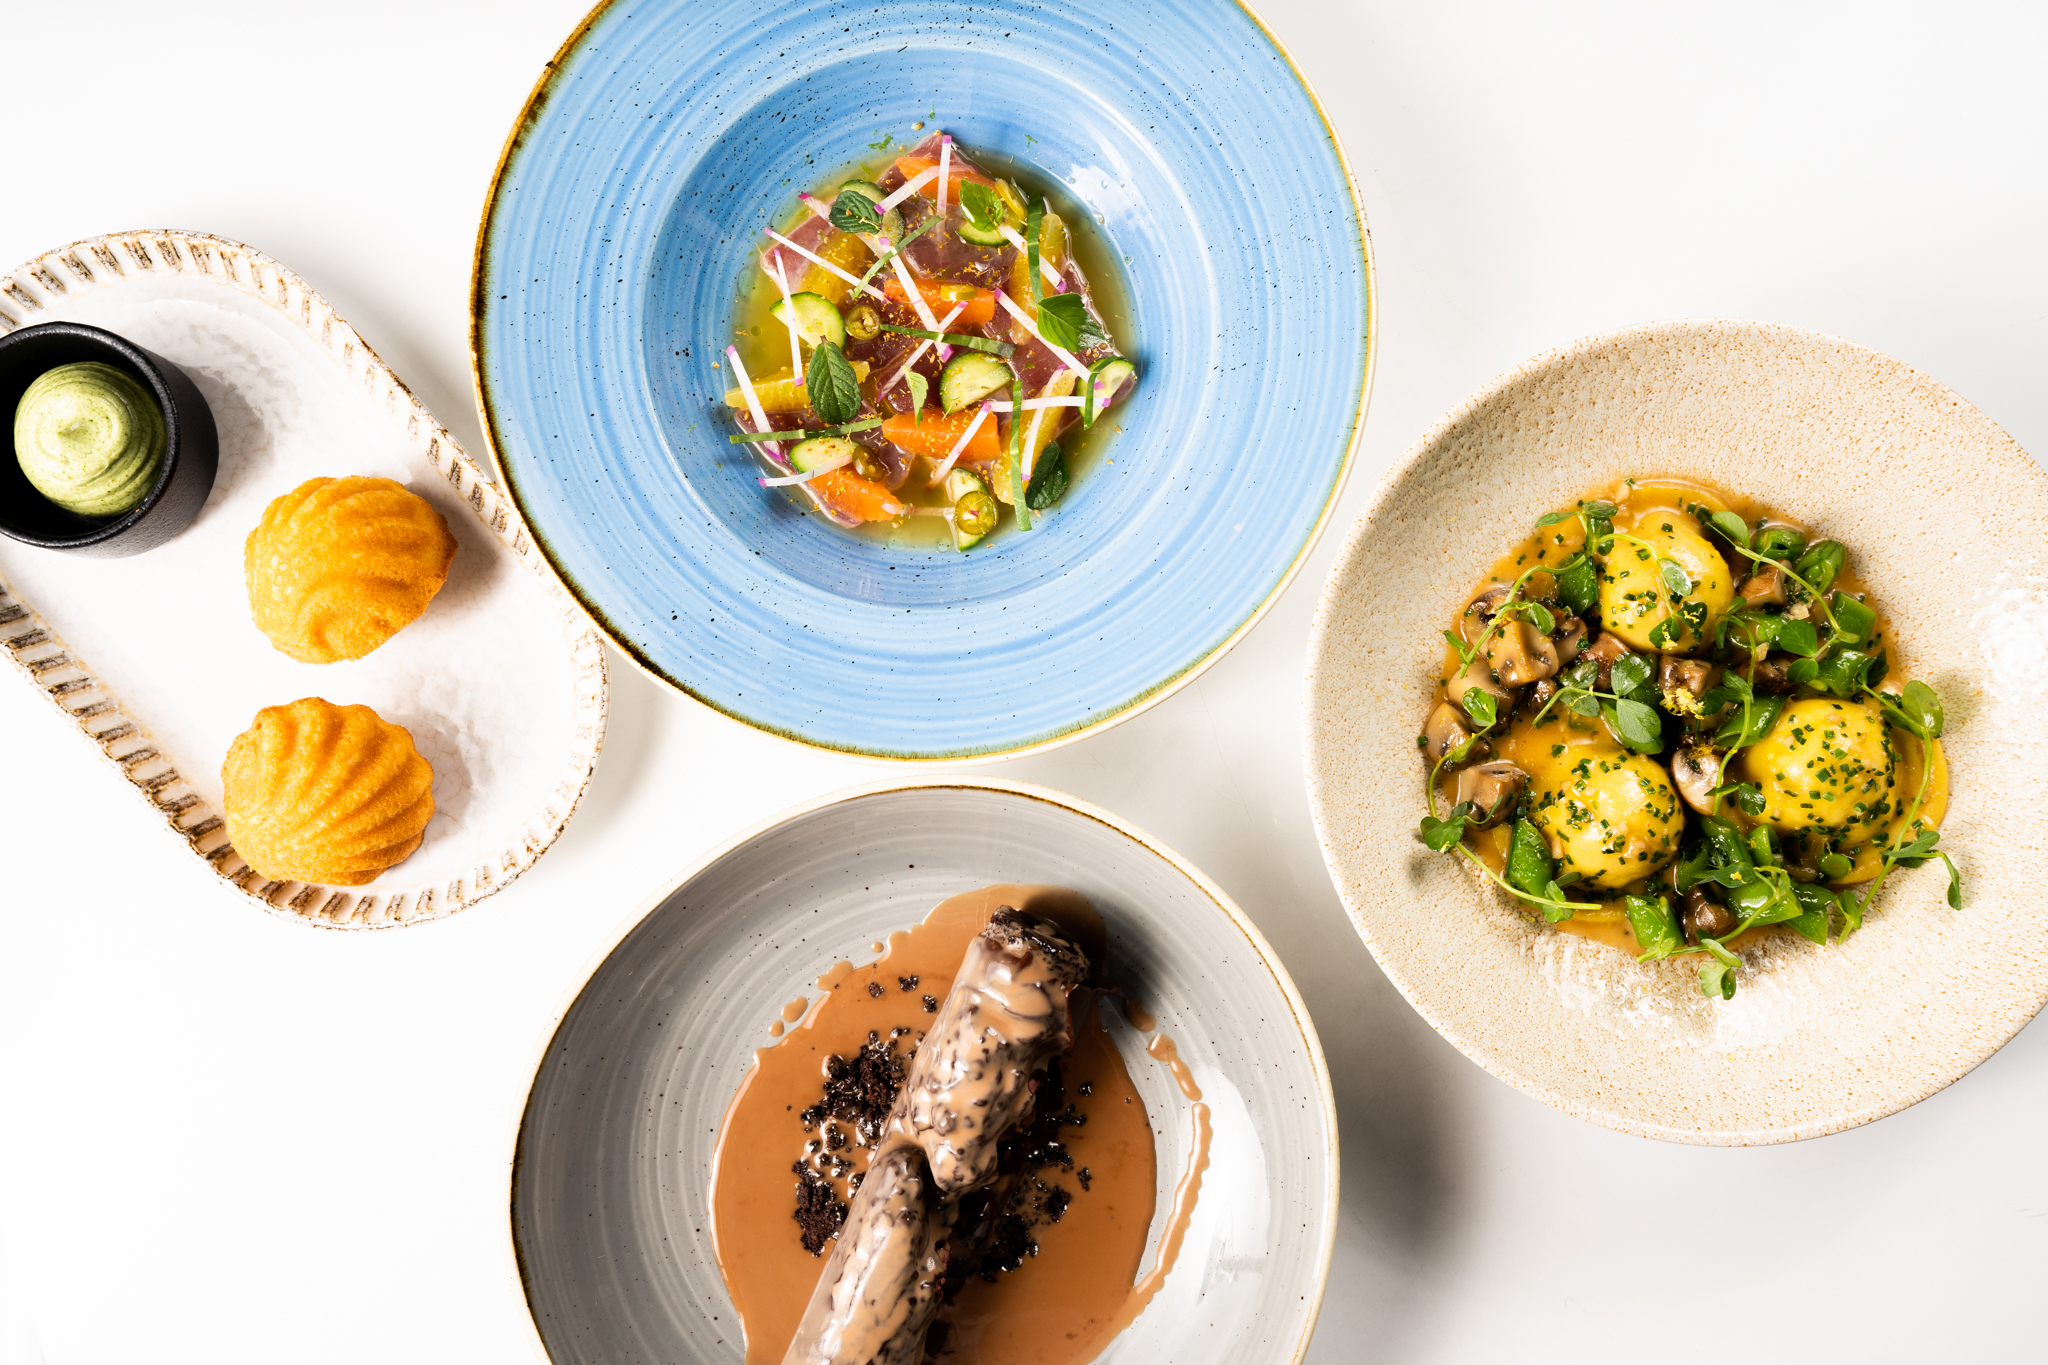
<point>632,194</point>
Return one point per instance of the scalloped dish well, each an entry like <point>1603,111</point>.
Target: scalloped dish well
<point>156,660</point>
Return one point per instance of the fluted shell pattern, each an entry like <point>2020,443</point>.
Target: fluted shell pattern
<point>322,793</point>
<point>338,566</point>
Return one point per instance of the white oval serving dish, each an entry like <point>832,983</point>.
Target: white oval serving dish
<point>610,1170</point>
<point>156,661</point>
<point>1947,519</point>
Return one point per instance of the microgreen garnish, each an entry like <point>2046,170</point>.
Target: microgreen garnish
<point>887,138</point>
<point>1627,709</point>
<point>972,343</point>
<point>854,212</point>
<point>919,386</point>
<point>831,384</point>
<point>846,429</point>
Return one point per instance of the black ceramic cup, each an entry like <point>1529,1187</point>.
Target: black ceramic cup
<point>182,483</point>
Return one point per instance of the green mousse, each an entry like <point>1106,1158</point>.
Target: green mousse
<point>90,438</point>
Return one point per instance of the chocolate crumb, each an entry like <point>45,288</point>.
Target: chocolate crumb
<point>1085,1089</point>
<point>875,989</point>
<point>908,983</point>
<point>931,1006</point>
<point>1056,1201</point>
<point>1085,1176</point>
<point>820,1213</point>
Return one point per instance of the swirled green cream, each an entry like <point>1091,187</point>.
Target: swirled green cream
<point>90,438</point>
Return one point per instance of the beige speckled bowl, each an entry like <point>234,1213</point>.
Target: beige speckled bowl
<point>1948,519</point>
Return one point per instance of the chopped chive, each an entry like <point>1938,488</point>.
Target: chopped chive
<point>805,432</point>
<point>1001,348</point>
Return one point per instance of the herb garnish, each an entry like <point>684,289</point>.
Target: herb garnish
<point>897,248</point>
<point>983,206</point>
<point>1048,479</point>
<point>846,429</point>
<point>1064,321</point>
<point>854,212</point>
<point>972,343</point>
<point>919,386</point>
<point>831,384</point>
<point>1018,495</point>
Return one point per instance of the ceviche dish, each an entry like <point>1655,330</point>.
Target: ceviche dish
<point>914,343</point>
<point>1671,719</point>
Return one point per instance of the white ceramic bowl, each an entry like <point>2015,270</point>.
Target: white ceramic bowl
<point>1947,518</point>
<point>610,1179</point>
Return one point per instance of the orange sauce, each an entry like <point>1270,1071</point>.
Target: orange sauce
<point>1607,922</point>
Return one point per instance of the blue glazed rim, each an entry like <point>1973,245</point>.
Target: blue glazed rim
<point>553,529</point>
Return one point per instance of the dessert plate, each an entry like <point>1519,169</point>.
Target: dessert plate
<point>1948,519</point>
<point>156,661</point>
<point>611,1167</point>
<point>628,203</point>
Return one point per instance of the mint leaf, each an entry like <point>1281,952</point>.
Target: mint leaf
<point>832,386</point>
<point>1048,479</point>
<point>982,205</point>
<point>1063,320</point>
<point>853,211</point>
<point>919,386</point>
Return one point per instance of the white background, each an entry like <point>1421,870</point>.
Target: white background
<point>227,1138</point>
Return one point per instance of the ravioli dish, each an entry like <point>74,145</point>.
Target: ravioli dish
<point>1673,719</point>
<point>914,344</point>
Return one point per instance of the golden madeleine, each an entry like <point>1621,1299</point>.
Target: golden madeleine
<point>338,566</point>
<point>324,793</point>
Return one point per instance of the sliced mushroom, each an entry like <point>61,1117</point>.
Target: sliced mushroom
<point>1492,787</point>
<point>1536,697</point>
<point>1770,678</point>
<point>1676,671</point>
<point>1608,648</point>
<point>1479,614</point>
<point>1696,770</point>
<point>1701,918</point>
<point>1520,655</point>
<point>1569,639</point>
<point>1446,728</point>
<point>1480,675</point>
<point>1764,588</point>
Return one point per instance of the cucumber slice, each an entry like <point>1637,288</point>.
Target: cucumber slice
<point>970,377</point>
<point>892,221</point>
<point>974,507</point>
<point>979,236</point>
<point>817,321</point>
<point>808,455</point>
<point>1105,377</point>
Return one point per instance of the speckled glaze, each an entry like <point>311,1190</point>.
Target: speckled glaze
<point>1946,517</point>
<point>501,682</point>
<point>664,136</point>
<point>610,1177</point>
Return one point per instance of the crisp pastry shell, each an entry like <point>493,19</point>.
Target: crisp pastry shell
<point>338,566</point>
<point>322,793</point>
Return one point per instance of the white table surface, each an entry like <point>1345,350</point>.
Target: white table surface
<point>227,1138</point>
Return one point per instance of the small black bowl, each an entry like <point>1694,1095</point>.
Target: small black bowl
<point>182,483</point>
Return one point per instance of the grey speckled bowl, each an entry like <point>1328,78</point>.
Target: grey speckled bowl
<point>610,1180</point>
<point>1947,518</point>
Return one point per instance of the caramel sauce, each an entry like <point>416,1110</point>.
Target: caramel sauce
<point>1063,1306</point>
<point>1607,922</point>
